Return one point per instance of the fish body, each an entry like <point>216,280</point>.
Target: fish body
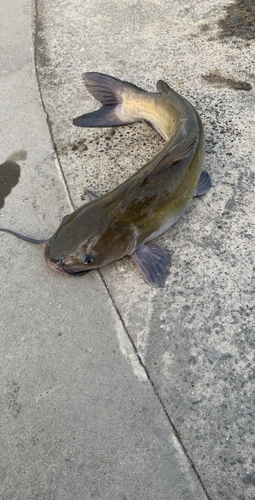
<point>124,221</point>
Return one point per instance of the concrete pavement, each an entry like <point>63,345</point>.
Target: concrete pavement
<point>79,417</point>
<point>195,336</point>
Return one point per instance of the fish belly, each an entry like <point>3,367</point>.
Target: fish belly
<point>170,222</point>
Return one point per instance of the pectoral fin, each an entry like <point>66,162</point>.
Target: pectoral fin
<point>153,263</point>
<point>204,184</point>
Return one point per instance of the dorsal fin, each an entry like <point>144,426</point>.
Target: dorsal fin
<point>163,87</point>
<point>178,152</point>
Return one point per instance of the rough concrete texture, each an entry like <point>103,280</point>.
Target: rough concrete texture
<point>79,417</point>
<point>196,335</point>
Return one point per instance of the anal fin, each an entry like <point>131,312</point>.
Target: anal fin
<point>153,263</point>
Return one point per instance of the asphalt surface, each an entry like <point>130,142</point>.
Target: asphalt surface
<point>84,416</point>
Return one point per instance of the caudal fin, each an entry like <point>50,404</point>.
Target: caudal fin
<point>107,116</point>
<point>110,92</point>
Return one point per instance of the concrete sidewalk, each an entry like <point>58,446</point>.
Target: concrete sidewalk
<point>196,335</point>
<point>79,417</point>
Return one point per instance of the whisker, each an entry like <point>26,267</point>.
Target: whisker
<point>70,273</point>
<point>25,238</point>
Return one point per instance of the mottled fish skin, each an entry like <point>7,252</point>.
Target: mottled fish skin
<point>123,221</point>
<point>149,202</point>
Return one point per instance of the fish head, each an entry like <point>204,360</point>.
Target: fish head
<point>86,241</point>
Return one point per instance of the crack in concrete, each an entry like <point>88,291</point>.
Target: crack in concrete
<point>177,435</point>
<point>35,44</point>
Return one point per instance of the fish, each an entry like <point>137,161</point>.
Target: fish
<point>124,221</point>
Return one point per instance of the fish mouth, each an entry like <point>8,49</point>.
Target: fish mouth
<point>71,272</point>
<point>60,267</point>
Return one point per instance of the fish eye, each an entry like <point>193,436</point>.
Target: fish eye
<point>87,259</point>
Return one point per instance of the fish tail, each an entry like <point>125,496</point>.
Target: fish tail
<point>111,93</point>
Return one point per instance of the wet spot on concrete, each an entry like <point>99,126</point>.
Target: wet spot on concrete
<point>204,28</point>
<point>13,391</point>
<point>10,174</point>
<point>20,155</point>
<point>239,21</point>
<point>222,81</point>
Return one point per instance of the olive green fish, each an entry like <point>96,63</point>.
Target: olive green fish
<point>124,221</point>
